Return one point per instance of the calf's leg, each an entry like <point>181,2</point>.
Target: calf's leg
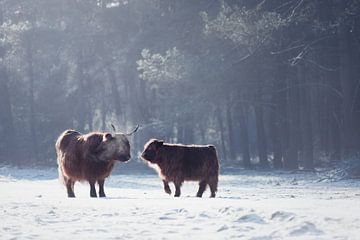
<point>166,187</point>
<point>101,188</point>
<point>213,183</point>
<point>202,187</point>
<point>92,188</point>
<point>177,188</point>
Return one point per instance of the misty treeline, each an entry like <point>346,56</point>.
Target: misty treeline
<point>270,83</point>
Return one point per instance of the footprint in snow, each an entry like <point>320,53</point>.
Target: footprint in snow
<point>229,210</point>
<point>51,212</point>
<point>253,218</point>
<point>329,219</point>
<point>177,211</point>
<point>196,228</point>
<point>306,228</point>
<point>204,215</point>
<point>261,238</point>
<point>282,216</point>
<point>223,228</point>
<point>106,215</point>
<point>181,210</point>
<point>166,218</point>
<point>224,210</point>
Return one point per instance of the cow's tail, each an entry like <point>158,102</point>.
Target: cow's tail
<point>61,175</point>
<point>214,170</point>
<point>61,145</point>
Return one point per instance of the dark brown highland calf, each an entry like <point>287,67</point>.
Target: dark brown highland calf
<point>178,163</point>
<point>90,157</point>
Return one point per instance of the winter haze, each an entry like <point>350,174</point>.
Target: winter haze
<point>273,85</point>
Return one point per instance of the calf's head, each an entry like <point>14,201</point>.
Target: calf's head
<point>150,150</point>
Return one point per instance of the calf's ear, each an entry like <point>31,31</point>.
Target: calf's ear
<point>159,143</point>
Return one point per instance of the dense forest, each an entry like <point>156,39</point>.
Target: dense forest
<point>274,84</point>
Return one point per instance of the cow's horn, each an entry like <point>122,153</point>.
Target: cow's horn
<point>113,127</point>
<point>136,128</point>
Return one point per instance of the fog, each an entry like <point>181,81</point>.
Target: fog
<point>272,84</point>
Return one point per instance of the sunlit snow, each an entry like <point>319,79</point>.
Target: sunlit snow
<point>249,205</point>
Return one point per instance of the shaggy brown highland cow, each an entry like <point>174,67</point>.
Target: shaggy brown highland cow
<point>178,163</point>
<point>90,157</point>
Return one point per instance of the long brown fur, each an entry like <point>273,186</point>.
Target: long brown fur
<point>90,157</point>
<point>178,163</point>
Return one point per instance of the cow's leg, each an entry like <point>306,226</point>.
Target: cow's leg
<point>101,188</point>
<point>92,188</point>
<point>166,187</point>
<point>202,187</point>
<point>69,187</point>
<point>177,188</point>
<point>213,183</point>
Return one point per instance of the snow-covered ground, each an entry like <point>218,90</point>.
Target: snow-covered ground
<point>249,205</point>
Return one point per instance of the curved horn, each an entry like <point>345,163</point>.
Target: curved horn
<point>113,127</point>
<point>136,128</point>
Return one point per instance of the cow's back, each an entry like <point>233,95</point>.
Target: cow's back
<point>65,139</point>
<point>200,161</point>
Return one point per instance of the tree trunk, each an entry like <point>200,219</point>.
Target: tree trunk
<point>202,132</point>
<point>260,131</point>
<point>142,104</point>
<point>180,133</point>
<point>348,126</point>
<point>82,94</point>
<point>103,115</point>
<point>32,118</point>
<point>308,156</point>
<point>276,117</point>
<point>6,117</point>
<point>187,130</point>
<point>188,134</point>
<point>115,95</point>
<point>230,131</point>
<point>292,159</point>
<point>222,137</point>
<point>275,136</point>
<point>132,96</point>
<point>330,102</point>
<point>245,146</point>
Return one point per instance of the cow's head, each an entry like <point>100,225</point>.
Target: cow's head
<point>115,147</point>
<point>150,150</point>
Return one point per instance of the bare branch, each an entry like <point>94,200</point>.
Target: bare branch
<point>287,49</point>
<point>321,66</point>
<point>334,90</point>
<point>295,8</point>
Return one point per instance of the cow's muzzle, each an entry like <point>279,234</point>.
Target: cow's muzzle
<point>123,158</point>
